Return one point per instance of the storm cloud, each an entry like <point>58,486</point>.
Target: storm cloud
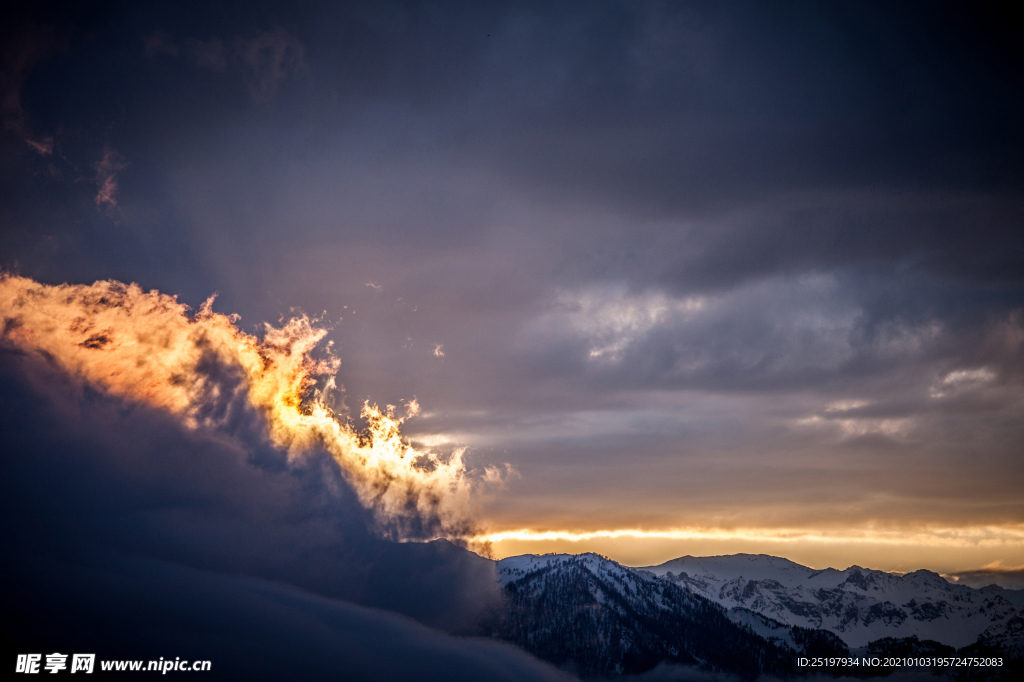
<point>679,265</point>
<point>132,535</point>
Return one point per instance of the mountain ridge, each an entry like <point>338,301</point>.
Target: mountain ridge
<point>857,604</point>
<point>597,618</point>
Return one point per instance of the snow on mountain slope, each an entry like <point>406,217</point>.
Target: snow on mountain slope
<point>599,618</point>
<point>859,605</point>
<point>640,586</point>
<point>516,567</point>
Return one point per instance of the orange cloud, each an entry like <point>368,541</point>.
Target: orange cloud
<point>149,347</point>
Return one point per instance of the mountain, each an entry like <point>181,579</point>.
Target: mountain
<point>859,605</point>
<point>747,615</point>
<point>599,618</point>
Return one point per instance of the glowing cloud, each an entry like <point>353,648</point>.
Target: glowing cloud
<point>147,347</point>
<point>963,380</point>
<point>611,319</point>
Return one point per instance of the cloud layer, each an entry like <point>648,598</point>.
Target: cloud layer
<point>134,536</point>
<point>146,347</point>
<point>680,265</point>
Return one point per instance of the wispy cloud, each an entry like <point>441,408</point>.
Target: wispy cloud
<point>268,59</point>
<point>264,60</point>
<point>107,169</point>
<point>1007,576</point>
<point>20,56</point>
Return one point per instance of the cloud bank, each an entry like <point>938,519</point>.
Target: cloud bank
<point>132,532</point>
<point>144,346</point>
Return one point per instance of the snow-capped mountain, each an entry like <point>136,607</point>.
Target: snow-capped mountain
<point>745,614</point>
<point>859,605</point>
<point>599,618</point>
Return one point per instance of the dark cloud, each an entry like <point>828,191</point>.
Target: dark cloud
<point>718,221</point>
<point>247,628</point>
<point>1011,578</point>
<point>134,535</point>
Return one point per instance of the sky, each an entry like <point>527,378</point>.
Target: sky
<point>648,279</point>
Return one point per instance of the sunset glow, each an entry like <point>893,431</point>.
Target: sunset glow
<point>146,346</point>
<point>945,550</point>
<point>1012,536</point>
<point>392,340</point>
